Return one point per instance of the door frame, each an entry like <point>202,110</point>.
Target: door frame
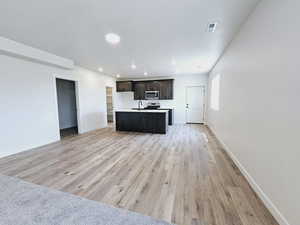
<point>204,102</point>
<point>55,76</point>
<point>113,101</point>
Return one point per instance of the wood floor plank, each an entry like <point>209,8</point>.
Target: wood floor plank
<point>183,177</point>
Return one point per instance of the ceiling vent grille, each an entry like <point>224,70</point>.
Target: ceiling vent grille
<point>212,27</point>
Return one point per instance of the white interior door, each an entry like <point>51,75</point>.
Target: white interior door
<point>195,104</point>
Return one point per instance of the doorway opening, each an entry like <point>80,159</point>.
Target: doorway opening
<point>67,107</point>
<point>109,106</point>
<point>195,104</point>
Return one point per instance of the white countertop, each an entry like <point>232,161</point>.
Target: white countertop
<point>142,111</point>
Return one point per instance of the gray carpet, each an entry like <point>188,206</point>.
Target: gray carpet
<point>23,203</point>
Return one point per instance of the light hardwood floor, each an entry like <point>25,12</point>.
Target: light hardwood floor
<point>183,177</point>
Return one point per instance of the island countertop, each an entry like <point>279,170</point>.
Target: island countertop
<point>142,110</point>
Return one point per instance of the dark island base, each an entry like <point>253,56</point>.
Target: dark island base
<point>170,116</point>
<point>156,123</point>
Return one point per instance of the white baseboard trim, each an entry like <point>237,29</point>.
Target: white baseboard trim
<point>265,199</point>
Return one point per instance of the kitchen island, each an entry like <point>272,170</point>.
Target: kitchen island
<point>147,121</point>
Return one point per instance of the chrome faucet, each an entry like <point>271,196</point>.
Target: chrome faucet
<point>140,104</point>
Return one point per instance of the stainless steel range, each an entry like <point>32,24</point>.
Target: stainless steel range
<point>153,105</point>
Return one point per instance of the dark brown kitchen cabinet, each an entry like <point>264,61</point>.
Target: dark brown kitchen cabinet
<point>139,90</point>
<point>148,122</point>
<point>124,86</point>
<point>153,85</point>
<point>166,90</point>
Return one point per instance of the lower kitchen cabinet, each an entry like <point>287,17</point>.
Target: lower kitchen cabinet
<point>148,122</point>
<point>170,116</point>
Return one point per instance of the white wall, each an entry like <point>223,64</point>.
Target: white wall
<point>126,100</point>
<point>28,104</point>
<point>259,97</point>
<point>91,97</point>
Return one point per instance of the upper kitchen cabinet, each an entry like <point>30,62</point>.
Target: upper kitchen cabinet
<point>153,85</point>
<point>139,90</point>
<point>124,86</point>
<point>166,89</point>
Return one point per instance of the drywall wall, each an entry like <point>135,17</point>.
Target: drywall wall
<point>66,101</point>
<point>28,103</point>
<point>92,98</point>
<point>258,120</point>
<point>125,99</point>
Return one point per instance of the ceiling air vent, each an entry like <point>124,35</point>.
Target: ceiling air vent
<point>212,27</point>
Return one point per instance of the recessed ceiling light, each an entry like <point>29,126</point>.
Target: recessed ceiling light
<point>118,76</point>
<point>145,74</point>
<point>133,66</point>
<point>100,69</point>
<point>112,38</point>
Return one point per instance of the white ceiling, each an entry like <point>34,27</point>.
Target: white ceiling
<point>152,32</point>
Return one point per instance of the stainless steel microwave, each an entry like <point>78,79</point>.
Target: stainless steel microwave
<point>151,95</point>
